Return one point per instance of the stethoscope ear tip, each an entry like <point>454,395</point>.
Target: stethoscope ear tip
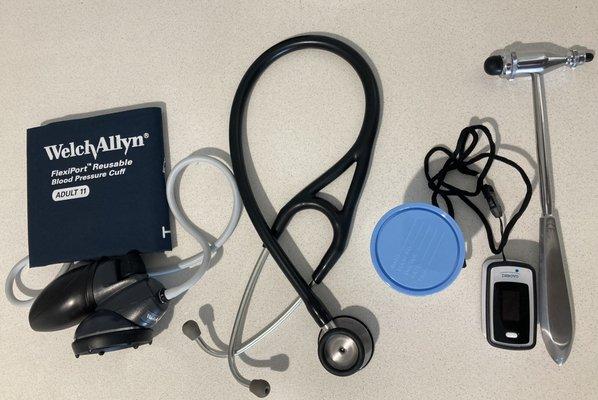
<point>259,387</point>
<point>191,330</point>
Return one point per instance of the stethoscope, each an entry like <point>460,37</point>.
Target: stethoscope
<point>345,345</point>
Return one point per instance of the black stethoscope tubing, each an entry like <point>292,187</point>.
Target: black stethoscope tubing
<point>307,198</point>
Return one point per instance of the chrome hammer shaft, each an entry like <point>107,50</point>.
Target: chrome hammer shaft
<point>556,311</point>
<point>541,121</point>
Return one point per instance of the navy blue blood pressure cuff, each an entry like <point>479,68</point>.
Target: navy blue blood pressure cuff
<point>96,187</point>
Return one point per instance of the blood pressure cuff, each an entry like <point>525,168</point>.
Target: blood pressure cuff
<point>96,187</point>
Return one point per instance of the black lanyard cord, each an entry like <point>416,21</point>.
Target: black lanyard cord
<point>461,160</point>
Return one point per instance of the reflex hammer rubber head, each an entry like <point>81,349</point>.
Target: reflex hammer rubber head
<point>493,65</point>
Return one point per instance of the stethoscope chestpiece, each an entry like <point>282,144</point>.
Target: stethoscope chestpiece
<point>345,346</point>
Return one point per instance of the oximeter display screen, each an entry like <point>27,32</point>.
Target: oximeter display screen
<point>511,301</point>
<point>511,312</point>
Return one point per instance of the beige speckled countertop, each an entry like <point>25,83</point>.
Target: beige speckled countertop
<point>77,57</point>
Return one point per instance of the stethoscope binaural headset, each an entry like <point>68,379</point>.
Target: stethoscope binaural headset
<point>345,345</point>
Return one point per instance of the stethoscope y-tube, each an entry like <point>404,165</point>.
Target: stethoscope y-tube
<point>359,154</point>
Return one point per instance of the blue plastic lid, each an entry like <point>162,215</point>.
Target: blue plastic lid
<point>418,249</point>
